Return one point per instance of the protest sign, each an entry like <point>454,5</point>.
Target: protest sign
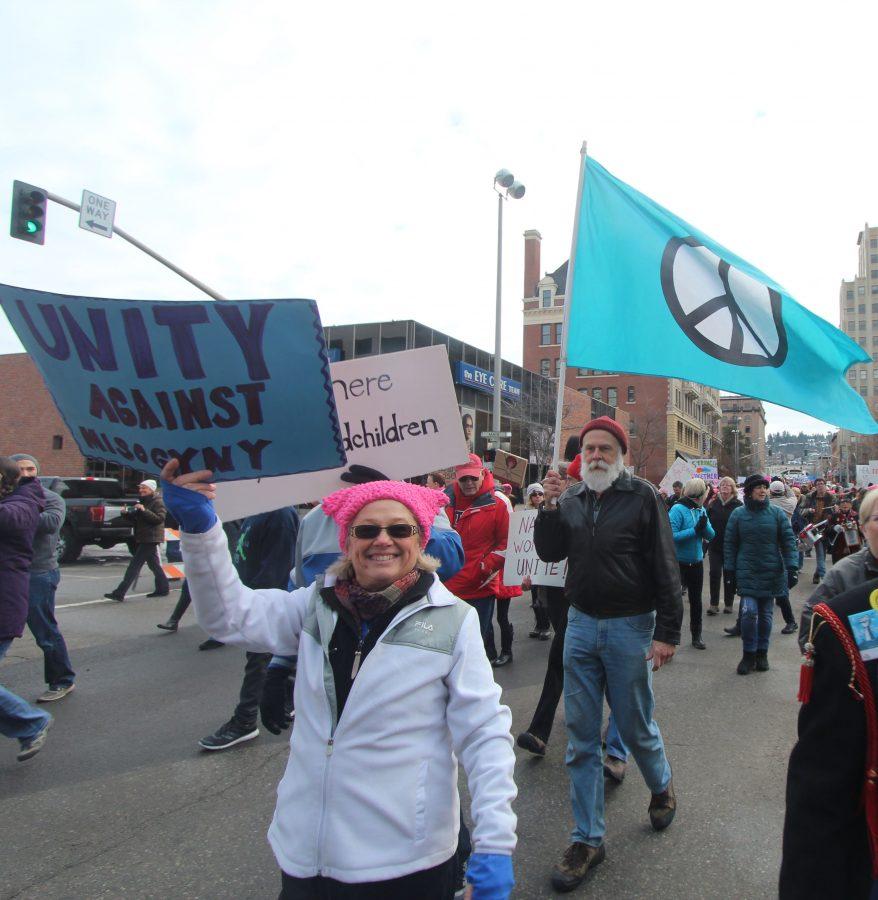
<point>398,414</point>
<point>680,470</point>
<point>867,475</point>
<point>706,469</point>
<point>509,467</point>
<point>220,385</point>
<point>521,555</point>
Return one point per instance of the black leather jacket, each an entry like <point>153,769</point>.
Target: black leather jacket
<point>619,550</point>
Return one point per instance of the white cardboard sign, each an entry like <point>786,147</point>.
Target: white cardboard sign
<point>680,471</point>
<point>521,555</point>
<point>706,469</point>
<point>398,413</point>
<point>867,475</point>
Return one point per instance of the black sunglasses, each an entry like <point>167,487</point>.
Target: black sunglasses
<point>370,532</point>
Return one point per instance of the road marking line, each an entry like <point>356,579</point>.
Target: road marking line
<point>87,577</point>
<point>100,600</point>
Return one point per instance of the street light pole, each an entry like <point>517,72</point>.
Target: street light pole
<point>506,187</point>
<point>498,359</point>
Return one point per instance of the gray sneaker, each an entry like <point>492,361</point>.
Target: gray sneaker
<point>32,746</point>
<point>55,693</point>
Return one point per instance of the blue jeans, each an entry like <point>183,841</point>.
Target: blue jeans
<point>608,656</point>
<point>57,669</point>
<point>615,745</point>
<point>484,606</point>
<point>820,554</point>
<point>18,719</point>
<point>757,617</point>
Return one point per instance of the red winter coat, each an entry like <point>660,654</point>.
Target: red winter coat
<point>483,526</point>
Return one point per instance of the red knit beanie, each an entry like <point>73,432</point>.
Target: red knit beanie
<point>605,423</point>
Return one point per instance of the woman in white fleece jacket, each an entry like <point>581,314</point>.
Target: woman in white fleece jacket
<point>392,688</point>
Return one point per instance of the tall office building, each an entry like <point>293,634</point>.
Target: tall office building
<point>858,318</point>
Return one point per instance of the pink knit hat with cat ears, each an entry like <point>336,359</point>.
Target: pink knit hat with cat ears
<point>423,503</point>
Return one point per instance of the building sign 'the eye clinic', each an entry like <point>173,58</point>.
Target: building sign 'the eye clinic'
<point>483,380</point>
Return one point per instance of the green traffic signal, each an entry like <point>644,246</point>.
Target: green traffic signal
<point>28,212</point>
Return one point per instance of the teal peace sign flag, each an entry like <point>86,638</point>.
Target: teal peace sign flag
<point>653,295</point>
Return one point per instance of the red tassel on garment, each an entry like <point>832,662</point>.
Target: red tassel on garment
<point>806,678</point>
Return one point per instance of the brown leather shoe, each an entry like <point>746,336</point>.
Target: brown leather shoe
<point>614,768</point>
<point>663,807</point>
<point>578,859</point>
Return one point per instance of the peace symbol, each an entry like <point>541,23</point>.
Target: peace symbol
<point>724,311</point>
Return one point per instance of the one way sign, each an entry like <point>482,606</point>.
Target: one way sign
<point>97,213</point>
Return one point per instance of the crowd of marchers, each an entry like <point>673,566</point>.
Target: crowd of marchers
<point>369,624</point>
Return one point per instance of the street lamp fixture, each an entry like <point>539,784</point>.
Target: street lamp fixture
<point>507,188</point>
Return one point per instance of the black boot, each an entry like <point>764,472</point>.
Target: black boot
<point>734,630</point>
<point>697,643</point>
<point>747,663</point>
<point>762,661</point>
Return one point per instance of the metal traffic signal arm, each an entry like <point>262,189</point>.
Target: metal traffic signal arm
<point>25,202</point>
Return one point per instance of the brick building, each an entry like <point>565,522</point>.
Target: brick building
<point>746,415</point>
<point>30,422</point>
<point>668,416</point>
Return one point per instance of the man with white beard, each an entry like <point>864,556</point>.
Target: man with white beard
<point>626,609</point>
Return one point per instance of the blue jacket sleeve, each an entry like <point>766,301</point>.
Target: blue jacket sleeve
<point>681,524</point>
<point>446,546</point>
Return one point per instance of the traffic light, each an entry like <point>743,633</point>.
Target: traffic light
<point>28,213</point>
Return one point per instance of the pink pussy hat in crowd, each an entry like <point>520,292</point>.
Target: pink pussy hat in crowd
<point>423,503</point>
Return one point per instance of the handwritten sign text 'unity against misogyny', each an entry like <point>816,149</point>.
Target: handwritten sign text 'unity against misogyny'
<point>239,387</point>
<point>521,555</point>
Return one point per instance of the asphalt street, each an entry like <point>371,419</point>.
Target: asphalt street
<point>122,802</point>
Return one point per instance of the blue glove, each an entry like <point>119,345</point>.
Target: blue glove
<point>191,509</point>
<point>491,876</point>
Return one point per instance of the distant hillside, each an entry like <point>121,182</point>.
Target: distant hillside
<point>786,446</point>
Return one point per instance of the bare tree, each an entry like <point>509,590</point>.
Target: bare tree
<point>534,419</point>
<point>648,436</point>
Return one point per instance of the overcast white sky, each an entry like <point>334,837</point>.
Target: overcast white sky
<point>346,151</point>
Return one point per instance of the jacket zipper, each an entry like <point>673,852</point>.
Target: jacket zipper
<point>330,744</point>
<point>357,655</point>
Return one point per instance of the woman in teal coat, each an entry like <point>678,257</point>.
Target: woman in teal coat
<point>760,549</point>
<point>691,529</point>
